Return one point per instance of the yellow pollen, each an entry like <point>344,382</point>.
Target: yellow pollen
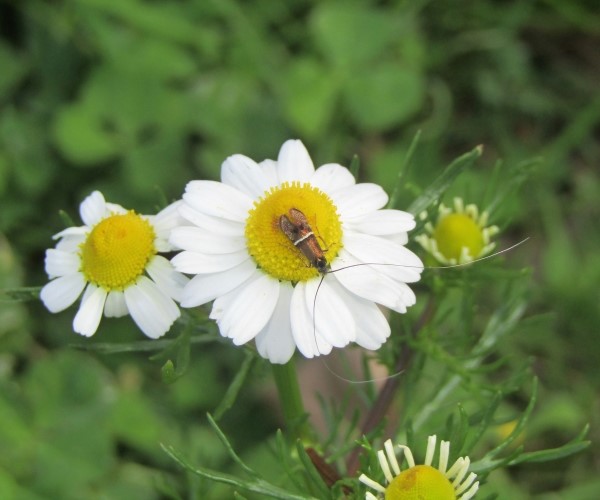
<point>272,250</point>
<point>421,482</point>
<point>455,231</point>
<point>117,251</point>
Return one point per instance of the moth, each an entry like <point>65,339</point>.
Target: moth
<point>296,227</point>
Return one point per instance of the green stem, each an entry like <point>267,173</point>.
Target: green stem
<point>291,399</point>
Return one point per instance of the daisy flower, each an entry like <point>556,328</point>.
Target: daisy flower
<point>460,234</point>
<point>422,482</point>
<point>254,249</point>
<point>113,259</point>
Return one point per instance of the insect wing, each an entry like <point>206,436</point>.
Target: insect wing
<point>289,228</point>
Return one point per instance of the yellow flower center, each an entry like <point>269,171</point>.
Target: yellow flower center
<point>421,482</point>
<point>455,231</point>
<point>274,251</point>
<point>117,251</point>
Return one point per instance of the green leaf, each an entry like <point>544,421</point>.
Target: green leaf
<point>154,58</point>
<point>81,138</point>
<point>21,294</point>
<point>313,475</point>
<point>551,454</point>
<point>140,345</point>
<point>10,489</point>
<point>439,186</point>
<point>235,386</point>
<point>354,166</point>
<point>255,485</point>
<point>350,34</point>
<point>155,19</point>
<point>13,68</point>
<point>309,96</point>
<point>384,96</point>
<point>168,373</point>
<point>156,162</point>
<point>234,456</point>
<point>512,180</point>
<point>518,429</point>
<point>499,325</point>
<point>403,170</point>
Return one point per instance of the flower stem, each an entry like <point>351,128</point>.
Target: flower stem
<point>288,388</point>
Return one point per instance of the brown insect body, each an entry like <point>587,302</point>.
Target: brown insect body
<point>296,227</point>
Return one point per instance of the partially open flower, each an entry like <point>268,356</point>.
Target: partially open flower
<point>460,234</point>
<point>422,482</point>
<point>114,258</point>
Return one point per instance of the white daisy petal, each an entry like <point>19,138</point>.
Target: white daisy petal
<point>152,309</point>
<point>398,238</point>
<point>403,266</point>
<point>431,444</point>
<point>60,263</point>
<point>79,232</point>
<point>213,225</point>
<point>93,209</point>
<point>115,306</point>
<point>391,456</point>
<point>307,340</point>
<point>244,174</point>
<point>372,328</point>
<point>372,484</point>
<point>217,199</point>
<point>367,282</point>
<point>383,222</point>
<point>203,288</point>
<point>275,341</point>
<point>332,177</point>
<point>62,292</point>
<point>164,222</point>
<point>294,163</point>
<point>166,277</point>
<point>250,309</point>
<point>196,239</point>
<point>333,320</point>
<point>199,263</point>
<point>114,208</point>
<point>359,200</point>
<point>269,168</point>
<point>87,319</point>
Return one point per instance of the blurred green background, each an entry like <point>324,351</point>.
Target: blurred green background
<point>135,98</point>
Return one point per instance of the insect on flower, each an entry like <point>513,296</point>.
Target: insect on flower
<point>298,230</point>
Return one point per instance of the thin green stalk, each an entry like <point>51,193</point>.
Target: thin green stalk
<point>294,414</point>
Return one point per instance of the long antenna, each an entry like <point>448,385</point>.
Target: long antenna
<point>397,374</point>
<point>452,266</point>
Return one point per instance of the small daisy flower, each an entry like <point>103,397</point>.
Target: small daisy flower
<point>460,234</point>
<point>113,259</point>
<point>422,482</point>
<point>262,239</point>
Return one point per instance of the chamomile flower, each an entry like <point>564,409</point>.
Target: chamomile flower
<point>422,482</point>
<point>460,234</point>
<point>250,251</point>
<point>113,259</point>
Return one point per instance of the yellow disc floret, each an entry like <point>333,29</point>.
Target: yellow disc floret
<point>272,250</point>
<point>421,482</point>
<point>117,251</point>
<point>455,231</point>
